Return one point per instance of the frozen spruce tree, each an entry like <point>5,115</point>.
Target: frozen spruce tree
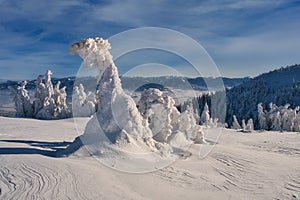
<point>159,113</point>
<point>276,121</point>
<point>117,116</point>
<point>262,117</point>
<point>188,125</point>
<point>83,104</point>
<point>163,118</point>
<point>297,122</point>
<point>118,126</point>
<point>250,126</point>
<point>235,124</point>
<point>244,127</point>
<point>22,101</point>
<point>50,102</point>
<point>39,94</point>
<point>205,116</point>
<point>286,120</point>
<point>280,118</point>
<point>293,117</point>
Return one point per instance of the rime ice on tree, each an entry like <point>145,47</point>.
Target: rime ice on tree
<point>279,118</point>
<point>84,105</point>
<point>159,112</point>
<point>39,95</point>
<point>117,114</point>
<point>250,126</point>
<point>262,118</point>
<point>22,101</point>
<point>164,119</point>
<point>49,103</point>
<point>188,125</point>
<point>235,124</point>
<point>244,127</point>
<point>205,117</point>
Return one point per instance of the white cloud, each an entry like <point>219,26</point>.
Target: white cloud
<point>215,5</point>
<point>258,32</point>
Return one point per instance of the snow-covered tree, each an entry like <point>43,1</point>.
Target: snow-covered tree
<point>276,121</point>
<point>279,86</point>
<point>163,118</point>
<point>83,104</point>
<point>49,102</point>
<point>244,127</point>
<point>150,126</point>
<point>205,116</point>
<point>250,126</point>
<point>187,123</point>
<point>22,101</point>
<point>235,124</point>
<point>286,120</point>
<point>297,122</point>
<point>157,110</point>
<point>280,118</point>
<point>117,115</point>
<point>262,118</point>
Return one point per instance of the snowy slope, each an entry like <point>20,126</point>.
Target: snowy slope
<point>241,166</point>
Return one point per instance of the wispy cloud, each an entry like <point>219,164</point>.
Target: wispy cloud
<point>219,6</point>
<point>236,33</point>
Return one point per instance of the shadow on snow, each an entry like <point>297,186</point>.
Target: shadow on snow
<point>50,149</point>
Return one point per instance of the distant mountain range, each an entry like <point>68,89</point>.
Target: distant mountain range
<point>3,80</point>
<point>137,83</point>
<point>280,86</point>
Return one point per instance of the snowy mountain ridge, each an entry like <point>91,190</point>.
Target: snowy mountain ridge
<point>281,86</point>
<point>134,82</point>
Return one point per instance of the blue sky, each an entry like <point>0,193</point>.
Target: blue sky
<point>244,38</point>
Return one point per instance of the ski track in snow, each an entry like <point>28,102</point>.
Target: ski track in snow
<point>38,180</point>
<point>239,173</point>
<point>292,186</point>
<point>31,180</point>
<point>179,177</point>
<point>241,166</point>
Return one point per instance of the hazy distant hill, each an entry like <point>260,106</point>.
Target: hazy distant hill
<point>133,83</point>
<point>3,80</point>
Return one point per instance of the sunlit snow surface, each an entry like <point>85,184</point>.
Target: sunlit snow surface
<point>257,165</point>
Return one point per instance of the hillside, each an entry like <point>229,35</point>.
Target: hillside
<point>280,86</point>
